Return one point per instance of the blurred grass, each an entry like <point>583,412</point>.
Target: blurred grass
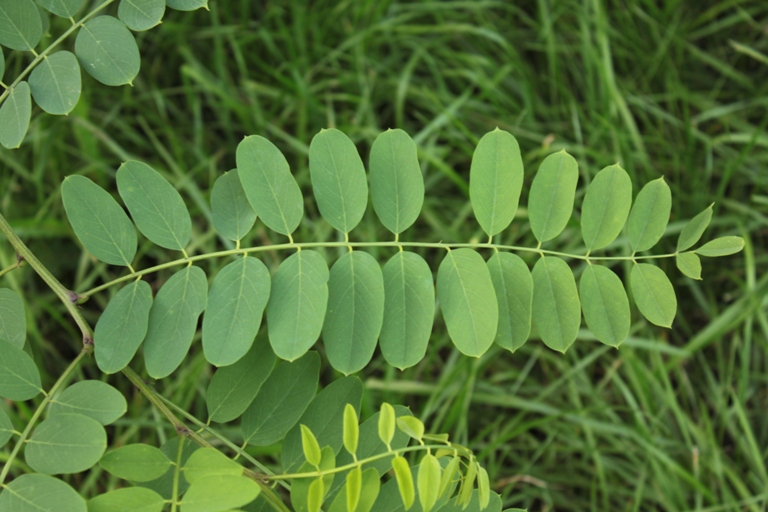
<point>674,420</point>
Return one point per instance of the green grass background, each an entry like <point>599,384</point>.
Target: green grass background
<point>673,420</point>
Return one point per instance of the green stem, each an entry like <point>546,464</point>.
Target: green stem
<point>9,268</point>
<point>176,473</point>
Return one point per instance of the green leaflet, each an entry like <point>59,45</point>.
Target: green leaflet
<point>281,401</point>
<point>21,25</point>
<point>513,284</point>
<point>65,443</point>
<point>92,398</point>
<point>654,294</point>
<point>310,447</point>
<point>605,305</point>
<point>40,493</point>
<point>689,264</point>
<point>6,428</point>
<point>409,309</point>
<point>428,482</point>
<point>351,431</point>
<point>412,426</point>
<point>219,493</point>
<point>108,51</point>
<point>315,496</point>
<point>156,207</point>
<point>208,462</point>
<point>15,113</point>
<point>101,225</point>
<point>483,487</point>
<point>13,320</point>
<point>164,485</point>
<point>397,186</point>
<point>129,499</point>
<point>649,215</point>
<point>496,180</point>
<point>141,15</point>
<point>233,388</point>
<point>269,185</point>
<point>692,231</point>
<point>494,504</point>
<point>62,8</point>
<point>19,378</point>
<point>723,246</point>
<point>369,485</point>
<point>55,83</point>
<point>338,179</point>
<point>468,301</point>
<point>297,304</point>
<point>404,480</point>
<point>307,494</point>
<point>2,63</point>
<point>550,201</point>
<point>122,327</point>
<point>324,417</point>
<point>173,320</point>
<point>353,487</point>
<point>556,306</point>
<point>606,206</point>
<point>187,5</point>
<point>136,462</point>
<point>355,312</point>
<point>232,214</point>
<point>387,423</point>
<point>237,298</point>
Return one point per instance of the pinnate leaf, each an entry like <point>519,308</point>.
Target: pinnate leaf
<point>92,398</point>
<point>141,15</point>
<point>40,493</point>
<point>13,320</point>
<point>219,493</point>
<point>66,443</point>
<point>136,462</point>
<point>62,8</point>
<point>128,499</point>
<point>55,83</point>
<point>723,246</point>
<point>649,215</point>
<point>107,51</point>
<point>15,113</point>
<point>606,206</point>
<point>550,202</point>
<point>20,25</point>
<point>605,305</point>
<point>654,294</point>
<point>689,264</point>
<point>232,214</point>
<point>556,306</point>
<point>19,377</point>
<point>692,231</point>
<point>513,285</point>
<point>122,327</point>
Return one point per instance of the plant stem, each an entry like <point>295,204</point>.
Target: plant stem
<point>176,473</point>
<point>9,268</point>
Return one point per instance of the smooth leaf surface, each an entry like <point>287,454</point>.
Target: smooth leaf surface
<point>397,186</point>
<point>187,5</point>
<point>128,499</point>
<point>62,8</point>
<point>606,207</point>
<point>692,231</point>
<point>99,222</point>
<point>219,493</point>
<point>173,320</point>
<point>550,201</point>
<point>654,294</point>
<point>496,180</point>
<point>92,398</point>
<point>468,301</point>
<point>15,113</point>
<point>338,179</point>
<point>315,495</point>
<point>689,264</point>
<point>65,443</point>
<point>107,51</point>
<point>605,304</point>
<point>122,327</point>
<point>19,377</point>
<point>351,434</point>
<point>387,423</point>
<point>156,207</point>
<point>309,446</point>
<point>165,484</point>
<point>412,426</point>
<point>473,505</point>
<point>6,428</point>
<point>723,246</point>
<point>353,487</point>
<point>556,306</point>
<point>13,320</point>
<point>428,482</point>
<point>649,216</point>
<point>139,15</point>
<point>2,63</point>
<point>404,480</point>
<point>55,83</point>
<point>136,462</point>
<point>355,311</point>
<point>231,212</point>
<point>297,304</point>
<point>409,309</point>
<point>307,494</point>
<point>40,493</point>
<point>367,491</point>
<point>208,462</point>
<point>20,24</point>
<point>513,285</point>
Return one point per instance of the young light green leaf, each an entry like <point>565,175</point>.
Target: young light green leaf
<point>654,294</point>
<point>468,301</point>
<point>447,479</point>
<point>353,488</point>
<point>128,499</point>
<point>397,186</point>
<point>187,5</point>
<point>404,480</point>
<point>122,327</point>
<point>428,482</point>
<point>513,284</point>
<point>19,378</point>
<point>281,401</point>
<point>692,231</point>
<point>310,446</point>
<point>173,320</point>
<point>723,246</point>
<point>649,215</point>
<point>136,462</point>
<point>92,398</point>
<point>473,504</point>
<point>219,493</point>
<point>66,443</point>
<point>302,488</point>
<point>6,428</point>
<point>409,309</point>
<point>101,225</point>
<point>141,15</point>
<point>269,185</point>
<point>55,83</point>
<point>689,264</point>
<point>605,305</point>
<point>366,494</point>
<point>338,179</point>
<point>15,113</point>
<point>107,51</point>
<point>467,484</point>
<point>20,24</point>
<point>156,207</point>
<point>297,304</point>
<point>61,8</point>
<point>208,462</point>
<point>315,495</point>
<point>556,306</point>
<point>232,214</point>
<point>40,493</point>
<point>550,201</point>
<point>13,320</point>
<point>496,180</point>
<point>355,311</point>
<point>351,432</point>
<point>606,206</point>
<point>411,426</point>
<point>237,298</point>
<point>233,388</point>
<point>483,487</point>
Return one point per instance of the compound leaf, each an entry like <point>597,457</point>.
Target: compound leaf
<point>13,321</point>
<point>20,25</point>
<point>141,15</point>
<point>723,246</point>
<point>605,305</point>
<point>92,398</point>
<point>61,8</point>
<point>136,462</point>
<point>19,377</point>
<point>55,83</point>
<point>649,215</point>
<point>129,499</point>
<point>6,428</point>
<point>556,306</point>
<point>66,443</point>
<point>606,206</point>
<point>40,493</point>
<point>307,495</point>
<point>207,462</point>
<point>219,493</point>
<point>654,294</point>
<point>692,231</point>
<point>550,202</point>
<point>15,113</point>
<point>232,214</point>
<point>187,5</point>
<point>689,264</point>
<point>513,284</point>
<point>107,51</point>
